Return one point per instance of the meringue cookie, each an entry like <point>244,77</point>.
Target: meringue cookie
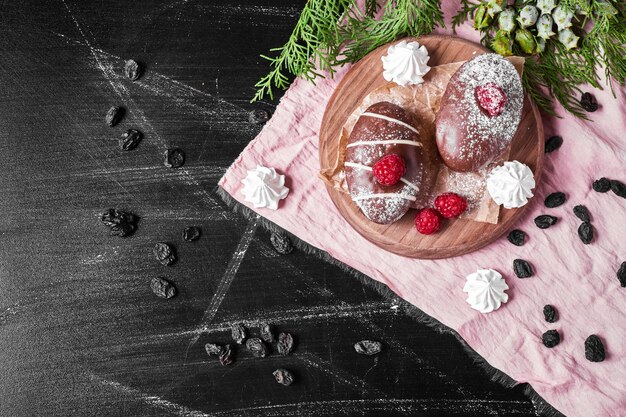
<point>405,63</point>
<point>264,187</point>
<point>511,184</point>
<point>485,290</point>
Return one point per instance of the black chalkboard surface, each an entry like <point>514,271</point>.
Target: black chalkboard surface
<point>81,333</point>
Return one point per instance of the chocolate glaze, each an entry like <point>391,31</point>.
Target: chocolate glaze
<point>361,182</point>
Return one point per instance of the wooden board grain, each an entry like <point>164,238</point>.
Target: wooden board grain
<point>457,236</point>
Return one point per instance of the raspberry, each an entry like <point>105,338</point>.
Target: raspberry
<point>450,205</point>
<point>389,169</point>
<point>490,98</point>
<point>427,221</point>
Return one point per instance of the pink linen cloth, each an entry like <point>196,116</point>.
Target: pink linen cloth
<point>579,280</point>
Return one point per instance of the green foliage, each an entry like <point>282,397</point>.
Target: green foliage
<point>326,26</point>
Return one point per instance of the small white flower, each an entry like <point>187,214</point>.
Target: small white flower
<point>528,16</point>
<point>506,20</point>
<point>567,38</point>
<point>562,17</point>
<point>544,26</point>
<point>494,7</point>
<point>546,6</point>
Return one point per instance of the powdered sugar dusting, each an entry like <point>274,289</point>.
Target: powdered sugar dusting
<point>478,127</point>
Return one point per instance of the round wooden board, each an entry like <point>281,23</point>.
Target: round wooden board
<point>457,236</point>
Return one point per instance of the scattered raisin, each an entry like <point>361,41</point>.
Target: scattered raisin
<point>283,377</point>
<point>267,332</point>
<point>162,288</point>
<point>238,333</point>
<point>191,233</point>
<point>544,221</point>
<point>551,338</point>
<point>285,344</point>
<point>582,213</point>
<point>619,188</point>
<point>130,139</point>
<point>522,268</point>
<point>585,232</point>
<point>602,185</point>
<point>213,349</point>
<point>120,223</point>
<point>588,102</point>
<point>258,116</point>
<point>550,313</point>
<point>517,237</point>
<point>553,143</point>
<point>368,347</point>
<point>555,200</point>
<point>594,349</point>
<point>164,253</point>
<point>256,347</point>
<point>133,70</point>
<point>174,158</point>
<point>227,356</point>
<point>114,115</point>
<point>621,274</point>
<point>282,243</point>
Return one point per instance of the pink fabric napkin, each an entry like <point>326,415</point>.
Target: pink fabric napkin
<point>578,280</point>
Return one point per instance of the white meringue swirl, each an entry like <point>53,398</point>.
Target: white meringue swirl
<point>405,63</point>
<point>485,290</point>
<point>264,187</point>
<point>511,184</point>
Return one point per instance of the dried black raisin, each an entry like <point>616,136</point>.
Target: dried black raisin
<point>555,200</point>
<point>619,188</point>
<point>162,288</point>
<point>130,139</point>
<point>120,223</point>
<point>191,233</point>
<point>602,185</point>
<point>517,237</point>
<point>267,332</point>
<point>551,338</point>
<point>174,158</point>
<point>588,102</point>
<point>368,347</point>
<point>585,232</point>
<point>582,213</point>
<point>553,143</point>
<point>213,349</point>
<point>227,356</point>
<point>238,333</point>
<point>522,268</point>
<point>282,243</point>
<point>164,253</point>
<point>621,274</point>
<point>283,377</point>
<point>285,343</point>
<point>594,349</point>
<point>544,221</point>
<point>550,313</point>
<point>258,116</point>
<point>133,70</point>
<point>114,115</point>
<point>256,347</point>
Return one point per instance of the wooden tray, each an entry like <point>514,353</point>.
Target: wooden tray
<point>457,236</point>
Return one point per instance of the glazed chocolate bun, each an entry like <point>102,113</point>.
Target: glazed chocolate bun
<point>383,129</point>
<point>480,113</point>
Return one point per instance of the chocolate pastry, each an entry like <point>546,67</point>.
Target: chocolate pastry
<point>480,113</point>
<point>384,129</point>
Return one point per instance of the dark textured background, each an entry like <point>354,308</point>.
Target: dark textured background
<point>80,331</point>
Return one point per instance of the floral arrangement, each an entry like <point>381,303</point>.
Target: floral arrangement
<point>565,42</point>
